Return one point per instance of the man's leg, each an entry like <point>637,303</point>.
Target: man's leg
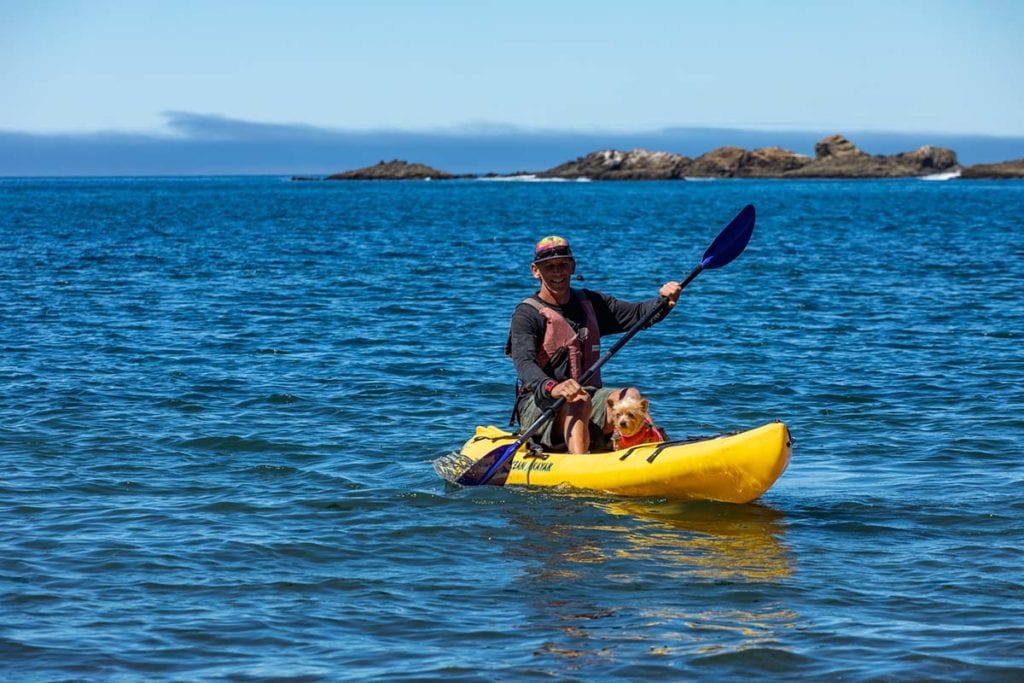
<point>575,418</point>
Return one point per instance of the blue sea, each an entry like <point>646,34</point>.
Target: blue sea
<point>222,398</point>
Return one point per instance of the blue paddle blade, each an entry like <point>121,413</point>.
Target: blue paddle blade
<point>731,242</point>
<point>492,468</point>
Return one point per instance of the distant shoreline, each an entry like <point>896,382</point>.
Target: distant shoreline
<point>835,158</point>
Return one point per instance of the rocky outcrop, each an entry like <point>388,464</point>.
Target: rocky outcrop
<point>928,159</point>
<point>1000,171</point>
<point>724,162</point>
<point>611,164</point>
<point>735,162</point>
<point>393,170</point>
<point>641,164</point>
<point>837,148</point>
<point>837,157</point>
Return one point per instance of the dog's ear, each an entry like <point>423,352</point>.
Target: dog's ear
<point>645,404</point>
<point>609,403</point>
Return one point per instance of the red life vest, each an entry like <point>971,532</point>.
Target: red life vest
<point>646,434</point>
<point>584,348</point>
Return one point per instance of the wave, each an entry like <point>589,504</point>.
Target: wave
<point>949,175</point>
<point>531,178</point>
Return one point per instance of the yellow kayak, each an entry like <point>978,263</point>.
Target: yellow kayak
<point>734,468</point>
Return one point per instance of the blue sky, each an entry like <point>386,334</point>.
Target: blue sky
<point>491,68</point>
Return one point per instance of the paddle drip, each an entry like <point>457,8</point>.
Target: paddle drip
<point>452,465</point>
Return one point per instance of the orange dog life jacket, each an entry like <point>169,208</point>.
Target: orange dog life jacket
<point>646,434</point>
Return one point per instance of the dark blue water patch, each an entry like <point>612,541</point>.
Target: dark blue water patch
<point>236,444</point>
<point>272,399</point>
<point>180,404</point>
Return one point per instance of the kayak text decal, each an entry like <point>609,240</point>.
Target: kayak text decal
<point>533,465</point>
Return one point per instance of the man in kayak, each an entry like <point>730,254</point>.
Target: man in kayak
<point>555,337</point>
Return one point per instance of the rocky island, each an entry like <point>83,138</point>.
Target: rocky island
<point>394,170</point>
<point>834,157</point>
<point>613,164</point>
<point>837,157</point>
<point>1006,169</point>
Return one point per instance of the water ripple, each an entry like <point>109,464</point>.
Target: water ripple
<point>223,397</point>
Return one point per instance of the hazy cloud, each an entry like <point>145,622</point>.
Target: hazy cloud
<point>213,127</point>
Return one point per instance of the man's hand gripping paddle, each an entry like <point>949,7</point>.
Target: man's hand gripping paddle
<point>493,468</point>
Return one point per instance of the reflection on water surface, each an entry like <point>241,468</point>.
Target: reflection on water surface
<point>590,573</point>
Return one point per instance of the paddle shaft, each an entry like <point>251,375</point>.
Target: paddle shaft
<point>591,371</point>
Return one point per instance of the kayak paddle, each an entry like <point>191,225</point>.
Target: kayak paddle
<point>729,244</point>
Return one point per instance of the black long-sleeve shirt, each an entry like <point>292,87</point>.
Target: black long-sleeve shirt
<point>526,333</point>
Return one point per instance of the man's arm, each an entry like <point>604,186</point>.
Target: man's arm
<point>615,315</point>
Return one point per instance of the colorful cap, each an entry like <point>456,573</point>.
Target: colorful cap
<point>551,247</point>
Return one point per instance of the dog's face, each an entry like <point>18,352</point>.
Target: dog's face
<point>627,414</point>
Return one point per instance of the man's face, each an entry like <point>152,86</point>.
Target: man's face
<point>555,274</point>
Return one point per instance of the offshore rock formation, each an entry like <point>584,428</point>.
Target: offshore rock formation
<point>837,157</point>
<point>1000,171</point>
<point>393,170</point>
<point>609,164</point>
<point>735,162</point>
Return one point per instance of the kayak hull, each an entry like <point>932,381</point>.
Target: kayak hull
<point>734,468</point>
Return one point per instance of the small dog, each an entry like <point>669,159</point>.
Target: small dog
<point>631,422</point>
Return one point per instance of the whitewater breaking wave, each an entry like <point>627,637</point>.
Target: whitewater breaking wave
<point>950,175</point>
<point>530,178</point>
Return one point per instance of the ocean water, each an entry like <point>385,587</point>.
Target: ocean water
<point>222,398</point>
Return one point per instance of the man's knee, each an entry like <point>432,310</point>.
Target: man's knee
<point>581,409</point>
